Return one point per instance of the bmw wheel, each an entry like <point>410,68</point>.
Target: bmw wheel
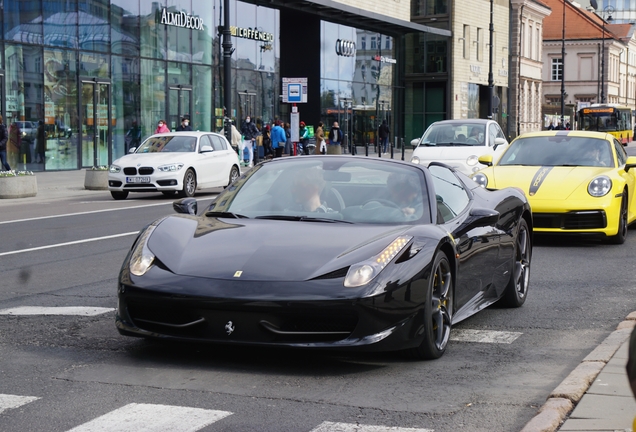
<point>621,234</point>
<point>517,288</point>
<point>189,184</point>
<point>234,174</point>
<point>119,195</point>
<point>438,310</point>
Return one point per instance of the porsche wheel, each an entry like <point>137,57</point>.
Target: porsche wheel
<point>438,311</point>
<point>517,288</point>
<point>620,236</point>
<point>119,195</point>
<point>189,184</point>
<point>234,174</point>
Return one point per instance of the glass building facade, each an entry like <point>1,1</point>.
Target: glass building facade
<point>99,74</point>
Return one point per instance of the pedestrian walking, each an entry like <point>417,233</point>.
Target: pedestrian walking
<point>185,125</point>
<point>288,142</point>
<point>40,143</point>
<point>278,139</point>
<point>335,139</point>
<point>161,127</point>
<point>321,146</point>
<point>304,139</point>
<point>267,142</point>
<point>249,132</point>
<point>4,138</point>
<point>383,134</point>
<point>133,136</point>
<point>13,147</point>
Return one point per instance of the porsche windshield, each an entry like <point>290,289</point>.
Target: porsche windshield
<point>168,143</point>
<point>559,150</point>
<point>455,134</point>
<point>319,190</point>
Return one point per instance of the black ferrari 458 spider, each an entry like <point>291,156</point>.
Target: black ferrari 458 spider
<point>330,252</point>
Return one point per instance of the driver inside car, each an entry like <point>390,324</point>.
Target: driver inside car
<point>305,191</point>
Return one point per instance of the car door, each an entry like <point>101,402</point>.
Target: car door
<point>218,174</point>
<point>478,247</point>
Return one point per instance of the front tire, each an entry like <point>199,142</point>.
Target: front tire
<point>438,311</point>
<point>189,184</point>
<point>119,195</point>
<point>621,235</point>
<point>517,289</point>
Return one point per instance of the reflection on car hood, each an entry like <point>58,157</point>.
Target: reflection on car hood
<point>552,183</point>
<point>270,250</point>
<point>152,159</point>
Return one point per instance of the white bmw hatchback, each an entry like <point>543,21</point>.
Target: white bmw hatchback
<point>459,144</point>
<point>174,163</point>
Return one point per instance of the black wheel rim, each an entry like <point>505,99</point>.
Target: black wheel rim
<point>622,228</point>
<point>190,183</point>
<point>522,262</point>
<point>442,302</point>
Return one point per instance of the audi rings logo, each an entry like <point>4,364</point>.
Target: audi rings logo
<point>345,48</point>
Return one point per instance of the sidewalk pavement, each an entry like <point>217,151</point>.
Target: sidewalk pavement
<point>596,395</point>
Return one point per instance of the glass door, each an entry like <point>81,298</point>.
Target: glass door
<point>96,124</point>
<point>179,105</point>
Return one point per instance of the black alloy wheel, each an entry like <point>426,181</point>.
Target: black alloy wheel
<point>234,174</point>
<point>189,184</point>
<point>517,289</point>
<point>621,234</point>
<point>119,195</point>
<point>438,310</point>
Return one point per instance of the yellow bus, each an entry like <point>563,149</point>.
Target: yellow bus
<point>610,118</point>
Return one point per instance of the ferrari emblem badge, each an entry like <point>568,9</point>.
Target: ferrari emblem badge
<point>238,273</point>
<point>229,328</point>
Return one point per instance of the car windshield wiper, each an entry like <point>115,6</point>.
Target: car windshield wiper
<point>302,218</point>
<point>226,215</point>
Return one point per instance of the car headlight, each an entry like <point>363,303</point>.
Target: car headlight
<point>114,169</point>
<point>142,259</point>
<point>415,159</point>
<point>363,272</point>
<point>600,186</point>
<point>481,179</point>
<point>170,167</point>
<point>472,160</point>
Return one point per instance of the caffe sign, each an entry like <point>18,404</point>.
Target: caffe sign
<point>181,19</point>
<point>249,33</point>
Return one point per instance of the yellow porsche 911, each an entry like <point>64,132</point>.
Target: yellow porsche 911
<point>575,181</point>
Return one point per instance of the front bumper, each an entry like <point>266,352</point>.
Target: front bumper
<point>156,181</point>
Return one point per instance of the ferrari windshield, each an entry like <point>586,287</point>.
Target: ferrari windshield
<point>168,143</point>
<point>352,190</point>
<point>455,134</point>
<point>559,150</point>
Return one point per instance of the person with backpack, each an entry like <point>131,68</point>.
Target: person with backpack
<point>4,137</point>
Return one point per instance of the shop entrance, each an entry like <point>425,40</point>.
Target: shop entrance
<point>179,105</point>
<point>96,123</point>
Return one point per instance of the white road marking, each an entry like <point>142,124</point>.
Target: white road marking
<point>63,310</point>
<point>12,401</point>
<point>153,418</point>
<point>484,336</point>
<point>350,427</point>
<point>70,243</point>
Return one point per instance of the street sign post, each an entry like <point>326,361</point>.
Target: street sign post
<point>294,90</point>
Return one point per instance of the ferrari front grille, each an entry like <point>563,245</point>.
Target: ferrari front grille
<point>576,220</point>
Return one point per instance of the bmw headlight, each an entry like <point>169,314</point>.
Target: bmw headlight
<point>114,169</point>
<point>600,186</point>
<point>415,159</point>
<point>363,272</point>
<point>481,179</point>
<point>170,167</point>
<point>472,160</point>
<point>142,259</point>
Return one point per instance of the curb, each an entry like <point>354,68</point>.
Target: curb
<point>566,395</point>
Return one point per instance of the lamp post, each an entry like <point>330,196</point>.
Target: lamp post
<point>607,11</point>
<point>491,93</point>
<point>563,70</point>
<point>227,71</point>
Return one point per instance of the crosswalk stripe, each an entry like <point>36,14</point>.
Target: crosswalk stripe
<point>351,427</point>
<point>63,310</point>
<point>8,401</point>
<point>153,418</point>
<point>484,336</point>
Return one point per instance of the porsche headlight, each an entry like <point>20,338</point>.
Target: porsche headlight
<point>600,186</point>
<point>481,179</point>
<point>472,160</point>
<point>415,159</point>
<point>114,169</point>
<point>363,272</point>
<point>170,167</point>
<point>142,259</point>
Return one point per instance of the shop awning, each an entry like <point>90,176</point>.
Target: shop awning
<point>352,16</point>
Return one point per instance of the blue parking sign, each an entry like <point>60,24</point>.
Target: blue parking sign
<point>294,92</point>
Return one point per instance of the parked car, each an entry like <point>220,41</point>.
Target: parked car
<point>329,252</point>
<point>174,163</point>
<point>459,143</point>
<point>577,182</point>
<point>29,130</point>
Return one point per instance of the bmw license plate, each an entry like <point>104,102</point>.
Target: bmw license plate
<point>137,179</point>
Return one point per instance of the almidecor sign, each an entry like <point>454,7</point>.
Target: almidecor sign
<point>249,33</point>
<point>181,19</point>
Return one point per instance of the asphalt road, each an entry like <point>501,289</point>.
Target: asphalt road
<point>77,369</point>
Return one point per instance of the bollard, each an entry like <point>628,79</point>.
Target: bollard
<point>366,148</point>
<point>402,144</point>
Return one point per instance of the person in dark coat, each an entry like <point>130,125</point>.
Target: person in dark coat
<point>40,143</point>
<point>185,125</point>
<point>383,134</point>
<point>4,139</point>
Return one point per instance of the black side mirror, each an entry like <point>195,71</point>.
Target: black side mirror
<point>186,206</point>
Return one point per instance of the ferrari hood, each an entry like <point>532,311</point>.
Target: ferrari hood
<point>149,159</point>
<point>548,182</point>
<point>265,250</point>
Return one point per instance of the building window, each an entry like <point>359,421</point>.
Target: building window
<point>363,42</point>
<point>388,43</point>
<point>466,40</point>
<point>429,7</point>
<point>478,43</point>
<point>373,44</point>
<point>557,69</point>
<point>531,44</point>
